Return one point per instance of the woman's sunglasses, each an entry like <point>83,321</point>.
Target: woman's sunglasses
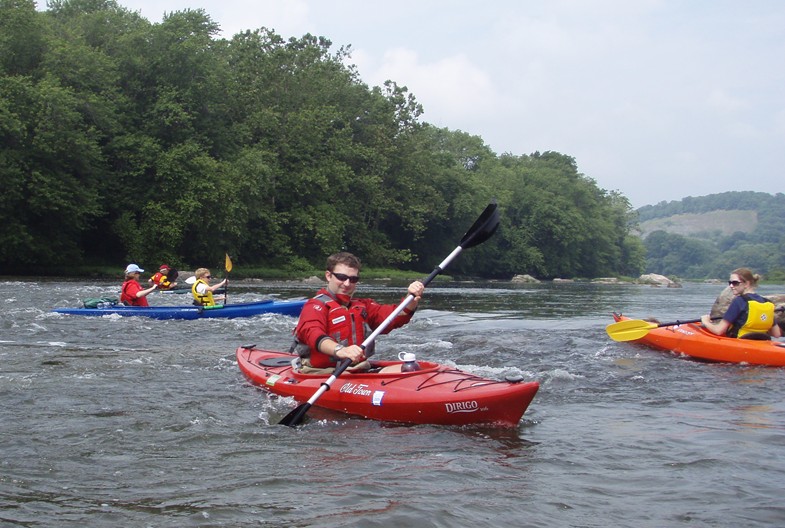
<point>734,283</point>
<point>354,279</point>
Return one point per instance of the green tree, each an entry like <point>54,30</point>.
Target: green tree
<point>671,254</point>
<point>23,37</point>
<point>51,164</point>
<point>562,224</point>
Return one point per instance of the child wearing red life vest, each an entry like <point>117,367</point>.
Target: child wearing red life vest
<point>165,277</point>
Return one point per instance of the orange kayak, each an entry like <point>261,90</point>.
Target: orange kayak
<point>435,394</point>
<point>692,340</point>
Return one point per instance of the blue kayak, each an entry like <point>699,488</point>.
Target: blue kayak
<point>228,311</point>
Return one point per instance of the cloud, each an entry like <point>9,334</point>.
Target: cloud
<point>455,88</point>
<point>284,17</point>
<point>719,100</point>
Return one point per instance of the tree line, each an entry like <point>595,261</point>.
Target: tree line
<point>124,140</point>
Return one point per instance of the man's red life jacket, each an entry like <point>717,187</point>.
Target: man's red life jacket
<point>325,317</point>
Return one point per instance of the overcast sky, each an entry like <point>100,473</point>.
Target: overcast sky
<point>656,99</point>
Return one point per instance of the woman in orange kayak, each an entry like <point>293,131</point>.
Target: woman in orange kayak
<point>749,315</point>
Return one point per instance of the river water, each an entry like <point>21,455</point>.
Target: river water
<point>135,422</point>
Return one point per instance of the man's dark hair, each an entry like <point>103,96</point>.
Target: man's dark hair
<point>345,258</point>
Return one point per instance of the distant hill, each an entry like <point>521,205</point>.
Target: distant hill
<point>715,214</point>
<point>714,222</point>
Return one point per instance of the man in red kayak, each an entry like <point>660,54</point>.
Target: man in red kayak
<point>332,325</point>
<point>749,315</point>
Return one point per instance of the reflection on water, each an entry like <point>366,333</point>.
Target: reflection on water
<point>756,416</point>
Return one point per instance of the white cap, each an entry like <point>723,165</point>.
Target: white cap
<point>133,268</point>
<point>407,356</point>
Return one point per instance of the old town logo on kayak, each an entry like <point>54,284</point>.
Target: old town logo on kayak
<point>462,407</point>
<point>360,389</point>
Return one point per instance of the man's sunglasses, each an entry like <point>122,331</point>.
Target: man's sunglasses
<point>354,279</point>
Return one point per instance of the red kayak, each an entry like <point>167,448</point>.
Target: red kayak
<point>692,340</point>
<point>435,394</point>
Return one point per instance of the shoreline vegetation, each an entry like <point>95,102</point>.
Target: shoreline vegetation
<point>238,273</point>
<point>368,274</point>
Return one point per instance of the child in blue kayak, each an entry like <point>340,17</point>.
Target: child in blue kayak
<point>203,291</point>
<point>165,278</point>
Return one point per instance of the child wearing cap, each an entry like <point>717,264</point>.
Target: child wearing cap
<point>164,278</point>
<point>132,293</point>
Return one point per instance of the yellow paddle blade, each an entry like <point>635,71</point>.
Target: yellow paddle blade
<point>629,330</point>
<point>228,265</point>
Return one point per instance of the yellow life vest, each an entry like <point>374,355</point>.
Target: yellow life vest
<point>760,317</point>
<point>205,299</point>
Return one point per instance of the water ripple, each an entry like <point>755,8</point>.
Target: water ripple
<point>132,422</point>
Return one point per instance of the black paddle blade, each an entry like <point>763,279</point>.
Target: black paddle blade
<point>483,228</point>
<point>295,418</point>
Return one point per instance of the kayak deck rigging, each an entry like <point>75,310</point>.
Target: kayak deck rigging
<point>458,379</point>
<point>436,394</point>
